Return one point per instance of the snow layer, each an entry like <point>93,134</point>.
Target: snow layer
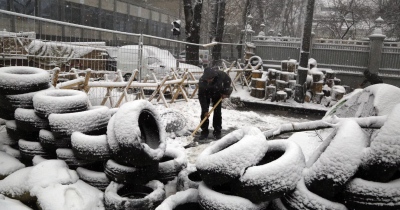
<point>127,130</point>
<point>114,200</point>
<point>88,144</point>
<point>217,200</point>
<point>59,101</point>
<point>340,160</point>
<point>234,152</point>
<point>276,177</point>
<point>179,198</point>
<point>385,146</point>
<point>48,173</point>
<point>16,76</point>
<point>92,176</point>
<point>12,204</point>
<point>16,185</point>
<point>178,162</point>
<point>383,194</point>
<point>9,164</point>
<point>374,100</point>
<point>93,119</point>
<point>76,196</point>
<point>29,116</point>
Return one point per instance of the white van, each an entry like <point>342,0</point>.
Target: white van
<point>153,60</point>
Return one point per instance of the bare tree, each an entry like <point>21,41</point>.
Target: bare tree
<point>389,10</point>
<point>340,17</point>
<point>193,14</point>
<point>217,30</point>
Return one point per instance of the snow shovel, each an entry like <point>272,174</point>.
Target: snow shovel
<point>190,138</point>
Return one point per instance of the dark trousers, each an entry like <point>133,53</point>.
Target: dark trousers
<point>217,116</point>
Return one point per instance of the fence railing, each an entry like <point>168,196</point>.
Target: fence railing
<point>350,56</point>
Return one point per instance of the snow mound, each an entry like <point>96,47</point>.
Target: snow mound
<point>77,196</point>
<point>375,100</point>
<point>9,164</point>
<point>11,204</point>
<point>50,172</point>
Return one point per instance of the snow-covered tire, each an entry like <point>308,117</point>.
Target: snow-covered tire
<point>9,103</point>
<point>275,175</point>
<point>222,198</point>
<point>92,121</point>
<point>139,197</point>
<point>277,204</point>
<point>16,134</point>
<point>367,195</point>
<point>225,160</point>
<point>47,140</point>
<point>73,162</point>
<point>173,120</point>
<point>130,174</point>
<point>18,80</point>
<point>12,165</point>
<point>59,101</point>
<point>95,178</point>
<point>27,120</point>
<point>29,149</point>
<point>382,159</point>
<point>188,178</point>
<point>140,134</point>
<point>338,162</point>
<point>171,164</point>
<point>302,198</point>
<point>90,147</point>
<point>183,200</point>
<point>254,59</point>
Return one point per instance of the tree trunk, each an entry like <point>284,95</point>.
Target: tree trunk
<point>216,50</point>
<point>192,30</point>
<point>244,15</point>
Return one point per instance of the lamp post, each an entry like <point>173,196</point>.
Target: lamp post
<point>304,53</point>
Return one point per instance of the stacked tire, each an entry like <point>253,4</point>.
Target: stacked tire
<point>18,85</point>
<point>137,140</point>
<point>361,175</point>
<point>244,171</point>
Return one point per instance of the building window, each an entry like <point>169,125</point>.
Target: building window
<point>120,22</point>
<point>25,7</point>
<point>73,13</point>
<point>91,16</point>
<point>106,19</point>
<point>49,9</point>
<point>4,5</point>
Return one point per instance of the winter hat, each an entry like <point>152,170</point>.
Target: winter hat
<point>209,73</point>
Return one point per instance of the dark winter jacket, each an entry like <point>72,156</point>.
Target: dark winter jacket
<point>371,78</point>
<point>221,85</point>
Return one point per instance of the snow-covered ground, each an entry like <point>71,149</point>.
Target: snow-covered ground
<point>58,187</point>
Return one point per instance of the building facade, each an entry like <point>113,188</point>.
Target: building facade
<point>134,16</point>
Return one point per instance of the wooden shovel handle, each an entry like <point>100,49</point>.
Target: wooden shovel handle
<point>206,117</point>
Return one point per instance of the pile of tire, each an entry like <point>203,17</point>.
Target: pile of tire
<point>139,164</point>
<point>244,171</point>
<point>18,85</point>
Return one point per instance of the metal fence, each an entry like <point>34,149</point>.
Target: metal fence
<point>350,56</point>
<point>45,43</point>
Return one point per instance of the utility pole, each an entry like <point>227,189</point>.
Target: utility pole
<point>300,88</point>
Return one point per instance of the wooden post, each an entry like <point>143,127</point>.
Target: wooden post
<point>56,72</point>
<point>86,82</point>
